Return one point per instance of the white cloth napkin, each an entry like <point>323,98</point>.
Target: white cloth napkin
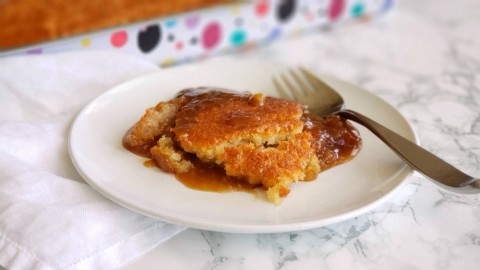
<point>49,217</point>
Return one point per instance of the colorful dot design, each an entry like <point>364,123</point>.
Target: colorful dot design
<point>86,42</point>
<point>179,45</point>
<point>261,8</point>
<point>357,10</point>
<point>235,11</point>
<point>387,5</point>
<point>285,10</point>
<point>192,22</point>
<point>335,9</point>
<point>149,38</point>
<point>196,34</point>
<point>118,39</point>
<point>211,35</point>
<point>309,16</point>
<point>170,23</point>
<point>238,38</point>
<point>35,51</point>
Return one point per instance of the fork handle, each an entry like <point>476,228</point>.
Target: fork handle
<point>420,159</point>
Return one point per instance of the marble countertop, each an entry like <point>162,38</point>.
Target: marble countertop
<point>423,58</point>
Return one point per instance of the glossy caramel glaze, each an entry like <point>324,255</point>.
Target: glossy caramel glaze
<point>210,177</point>
<point>210,117</point>
<point>335,140</point>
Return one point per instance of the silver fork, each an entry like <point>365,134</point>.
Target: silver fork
<point>322,100</point>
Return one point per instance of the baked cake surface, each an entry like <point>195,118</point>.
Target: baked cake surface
<point>25,22</point>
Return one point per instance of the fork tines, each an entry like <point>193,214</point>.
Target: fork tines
<point>298,82</point>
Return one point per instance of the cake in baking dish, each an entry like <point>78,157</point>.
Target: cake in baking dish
<point>245,140</point>
<point>25,22</point>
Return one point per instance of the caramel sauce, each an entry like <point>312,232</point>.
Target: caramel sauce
<point>149,163</point>
<point>208,177</point>
<point>336,141</point>
<point>140,150</point>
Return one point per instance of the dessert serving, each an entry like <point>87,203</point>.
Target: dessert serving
<point>218,140</point>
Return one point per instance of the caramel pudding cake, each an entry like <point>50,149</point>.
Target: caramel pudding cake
<point>219,140</point>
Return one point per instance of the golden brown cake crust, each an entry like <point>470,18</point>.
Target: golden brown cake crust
<point>24,22</point>
<point>218,119</point>
<point>270,165</point>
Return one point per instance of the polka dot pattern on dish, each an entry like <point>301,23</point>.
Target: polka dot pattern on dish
<point>200,33</point>
<point>149,38</point>
<point>119,38</point>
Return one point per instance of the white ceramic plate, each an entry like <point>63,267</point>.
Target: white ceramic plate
<point>338,194</point>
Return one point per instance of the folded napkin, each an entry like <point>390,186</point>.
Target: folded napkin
<point>49,217</point>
